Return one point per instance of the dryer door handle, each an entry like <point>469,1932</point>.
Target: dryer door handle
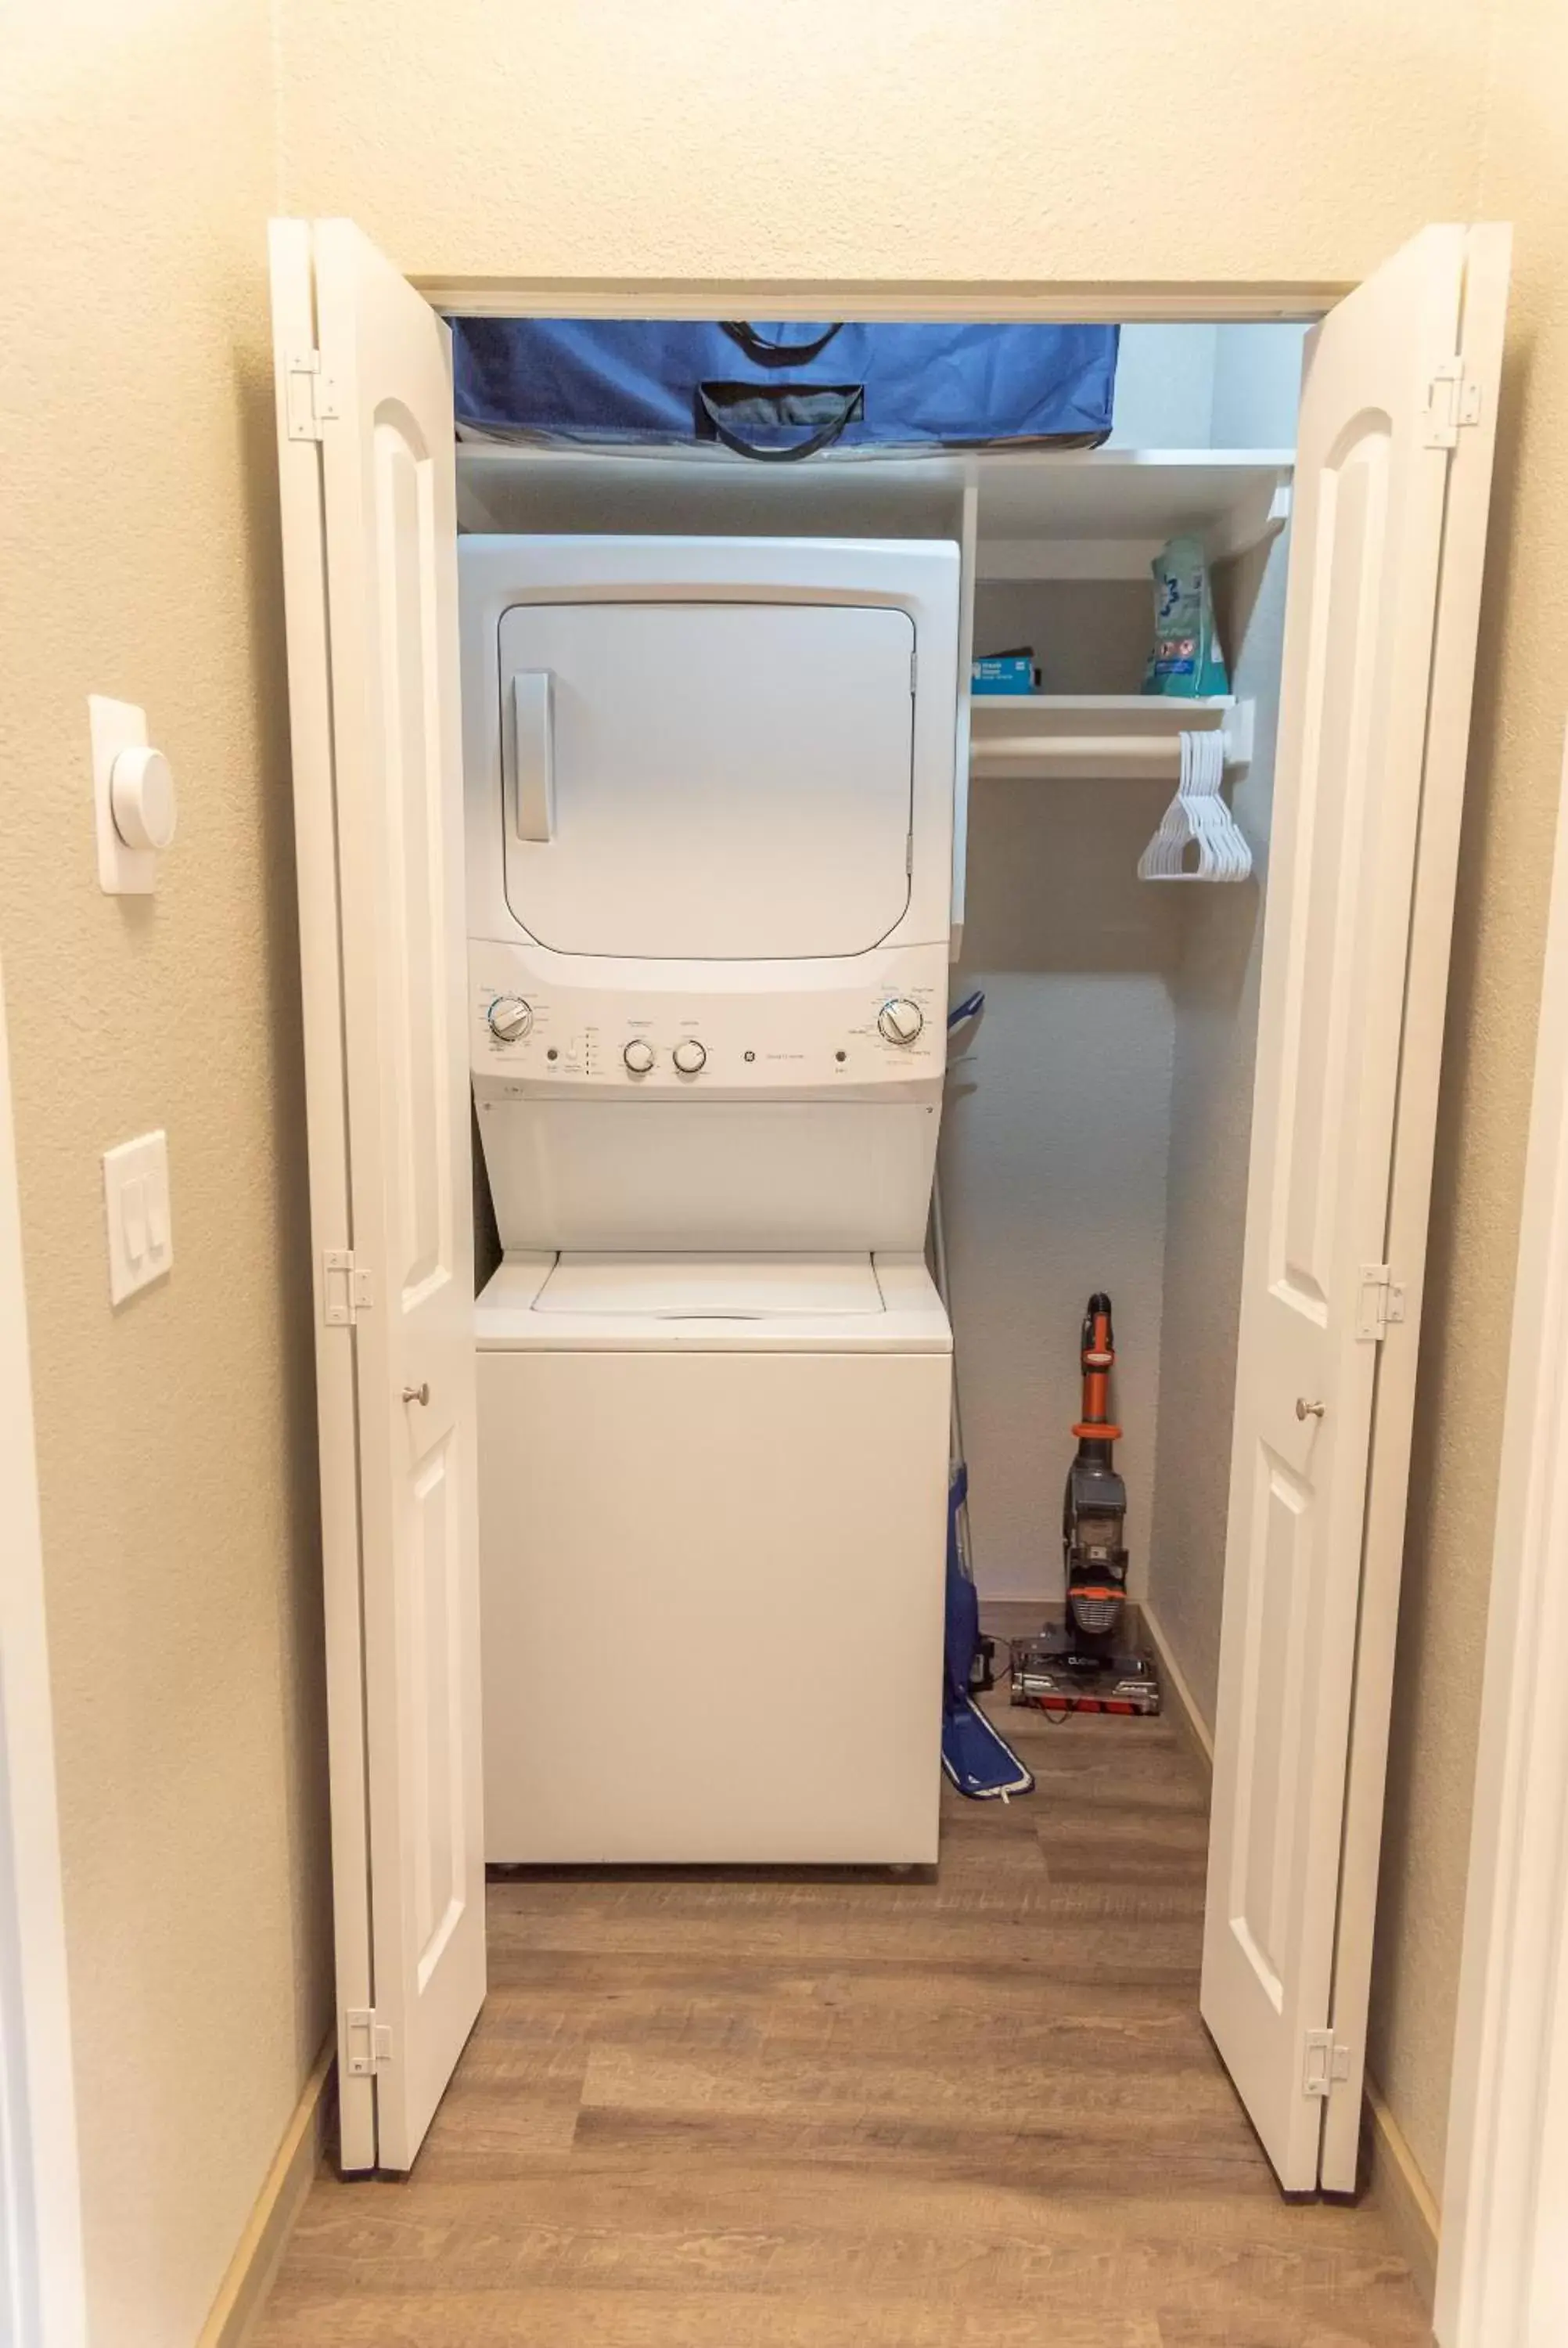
<point>533,754</point>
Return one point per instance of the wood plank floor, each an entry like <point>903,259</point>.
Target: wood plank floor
<point>853,2110</point>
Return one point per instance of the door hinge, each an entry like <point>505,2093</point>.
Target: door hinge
<point>345,1289</point>
<point>367,2042</point>
<point>1454,399</point>
<point>1326,2064</point>
<point>313,396</point>
<point>1380,1300</point>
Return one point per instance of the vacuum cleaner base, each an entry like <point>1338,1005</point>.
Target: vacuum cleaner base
<point>1052,1673</point>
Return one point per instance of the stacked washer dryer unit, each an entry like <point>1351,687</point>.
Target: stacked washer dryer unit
<point>710,799</point>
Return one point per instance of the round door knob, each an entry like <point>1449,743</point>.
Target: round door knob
<point>1304,1409</point>
<point>142,799</point>
<point>690,1056</point>
<point>509,1018</point>
<point>901,1021</point>
<point>639,1055</point>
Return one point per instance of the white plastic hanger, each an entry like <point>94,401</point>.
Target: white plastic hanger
<point>1198,817</point>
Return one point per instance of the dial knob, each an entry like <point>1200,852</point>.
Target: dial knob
<point>639,1055</point>
<point>901,1021</point>
<point>142,798</point>
<point>509,1018</point>
<point>690,1056</point>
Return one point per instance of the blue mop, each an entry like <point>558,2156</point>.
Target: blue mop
<point>976,1758</point>
<point>980,1761</point>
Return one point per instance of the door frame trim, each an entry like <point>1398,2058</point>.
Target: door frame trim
<point>43,2286</point>
<point>1473,2244</point>
<point>975,300</point>
<point>1502,2264</point>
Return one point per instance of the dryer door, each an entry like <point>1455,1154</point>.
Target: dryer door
<point>707,780</point>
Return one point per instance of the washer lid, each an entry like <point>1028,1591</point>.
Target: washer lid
<point>744,1306</point>
<point>710,1287</point>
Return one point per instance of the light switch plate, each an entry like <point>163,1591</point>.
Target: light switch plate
<point>116,726</point>
<point>135,1202</point>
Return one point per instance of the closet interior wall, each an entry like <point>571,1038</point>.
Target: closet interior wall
<point>1214,993</point>
<point>1057,1129</point>
<point>1097,1130</point>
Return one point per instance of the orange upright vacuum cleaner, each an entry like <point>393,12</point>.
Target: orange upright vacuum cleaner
<point>1090,1665</point>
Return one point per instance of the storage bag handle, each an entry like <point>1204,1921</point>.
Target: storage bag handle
<point>825,410</point>
<point>769,352</point>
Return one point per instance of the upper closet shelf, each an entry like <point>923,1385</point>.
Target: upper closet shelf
<point>1098,736</point>
<point>1106,515</point>
<point>1038,514</point>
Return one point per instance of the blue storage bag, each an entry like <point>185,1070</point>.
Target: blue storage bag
<point>782,391</point>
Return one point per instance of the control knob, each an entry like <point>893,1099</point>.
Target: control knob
<point>901,1021</point>
<point>690,1056</point>
<point>639,1056</point>
<point>509,1018</point>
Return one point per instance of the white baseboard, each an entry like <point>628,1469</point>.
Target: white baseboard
<point>267,2229</point>
<point>1396,2184</point>
<point>1178,1697</point>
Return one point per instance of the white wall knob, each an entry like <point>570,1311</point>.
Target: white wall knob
<point>142,798</point>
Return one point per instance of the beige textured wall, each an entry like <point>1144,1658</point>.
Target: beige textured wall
<point>177,1483</point>
<point>1516,751</point>
<point>896,138</point>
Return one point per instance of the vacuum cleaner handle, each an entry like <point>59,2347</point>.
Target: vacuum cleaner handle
<point>1097,1357</point>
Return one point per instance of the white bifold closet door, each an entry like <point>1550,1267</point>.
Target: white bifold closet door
<point>1393,469</point>
<point>368,488</point>
<point>1393,473</point>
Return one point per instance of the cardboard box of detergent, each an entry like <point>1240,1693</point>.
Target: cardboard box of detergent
<point>1013,672</point>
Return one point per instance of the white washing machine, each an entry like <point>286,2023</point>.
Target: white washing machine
<point>712,1509</point>
<point>710,799</point>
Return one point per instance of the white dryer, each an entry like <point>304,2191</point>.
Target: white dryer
<point>710,802</point>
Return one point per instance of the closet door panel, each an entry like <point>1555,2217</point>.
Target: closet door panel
<point>390,494</point>
<point>366,445</point>
<point>1465,528</point>
<point>1367,566</point>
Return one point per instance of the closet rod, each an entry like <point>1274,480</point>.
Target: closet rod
<point>1155,755</point>
<point>1125,749</point>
